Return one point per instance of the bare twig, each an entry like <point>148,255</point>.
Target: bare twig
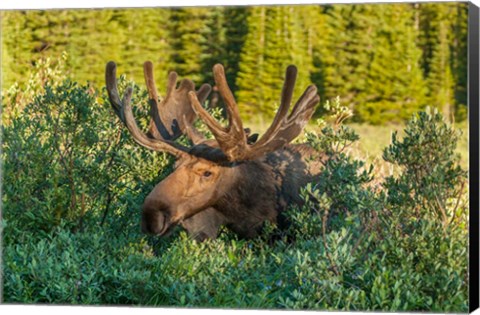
<point>327,250</point>
<point>442,210</point>
<point>459,197</point>
<point>324,230</point>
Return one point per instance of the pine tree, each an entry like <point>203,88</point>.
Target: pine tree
<point>18,46</point>
<point>144,35</point>
<point>313,22</point>
<point>394,87</point>
<point>443,39</point>
<point>235,33</point>
<point>82,34</point>
<point>214,42</point>
<point>285,47</point>
<point>276,41</point>
<point>367,54</point>
<point>440,80</point>
<point>350,31</point>
<point>251,68</point>
<point>95,37</point>
<point>459,58</point>
<point>187,29</point>
<point>224,35</point>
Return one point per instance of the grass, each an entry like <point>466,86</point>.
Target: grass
<point>315,270</point>
<point>373,139</point>
<point>373,255</point>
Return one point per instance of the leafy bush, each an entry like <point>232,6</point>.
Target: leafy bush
<point>403,247</point>
<point>74,181</point>
<point>68,161</point>
<point>432,179</point>
<point>16,98</point>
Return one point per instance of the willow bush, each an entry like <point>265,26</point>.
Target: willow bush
<point>74,181</point>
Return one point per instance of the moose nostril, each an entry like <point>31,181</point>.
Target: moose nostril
<point>144,224</point>
<point>153,222</point>
<point>147,221</point>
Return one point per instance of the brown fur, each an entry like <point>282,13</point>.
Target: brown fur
<point>233,180</point>
<point>241,196</point>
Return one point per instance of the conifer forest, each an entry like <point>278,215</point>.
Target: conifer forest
<point>385,61</point>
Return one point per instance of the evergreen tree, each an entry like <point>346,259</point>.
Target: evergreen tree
<point>443,39</point>
<point>95,37</point>
<point>251,68</point>
<point>187,29</point>
<point>459,58</point>
<point>394,87</point>
<point>91,38</point>
<point>372,61</point>
<point>19,45</point>
<point>224,35</point>
<point>440,80</point>
<point>144,36</point>
<point>276,41</point>
<point>235,33</point>
<point>214,42</point>
<point>349,50</point>
<point>285,45</point>
<point>385,61</point>
<point>313,22</point>
<point>7,58</point>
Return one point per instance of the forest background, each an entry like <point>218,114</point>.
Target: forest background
<point>384,61</point>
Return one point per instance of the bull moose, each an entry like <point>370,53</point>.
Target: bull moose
<point>236,179</point>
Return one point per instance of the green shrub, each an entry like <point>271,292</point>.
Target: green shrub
<point>68,160</point>
<point>74,181</point>
<point>16,97</point>
<point>432,179</point>
<point>390,248</point>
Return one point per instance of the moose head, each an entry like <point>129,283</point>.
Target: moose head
<point>233,180</point>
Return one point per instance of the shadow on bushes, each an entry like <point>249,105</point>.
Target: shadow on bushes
<point>74,181</point>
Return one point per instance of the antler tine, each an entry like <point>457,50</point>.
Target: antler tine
<point>286,100</point>
<point>291,126</point>
<point>192,133</point>
<point>150,81</point>
<point>218,130</point>
<point>173,115</point>
<point>287,91</point>
<point>308,96</point>
<point>231,139</point>
<point>125,113</point>
<point>203,92</point>
<point>235,123</point>
<point>285,127</point>
<point>157,129</point>
<point>111,82</point>
<point>233,147</point>
<point>153,144</point>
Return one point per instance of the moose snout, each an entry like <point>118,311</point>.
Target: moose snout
<point>153,222</point>
<point>154,218</point>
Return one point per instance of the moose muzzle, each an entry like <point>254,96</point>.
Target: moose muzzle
<point>155,220</point>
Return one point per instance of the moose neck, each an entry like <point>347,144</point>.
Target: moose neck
<point>248,203</point>
<point>261,189</point>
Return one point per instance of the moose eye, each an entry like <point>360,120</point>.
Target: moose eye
<point>207,173</point>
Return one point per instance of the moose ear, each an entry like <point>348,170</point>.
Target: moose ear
<point>252,139</point>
